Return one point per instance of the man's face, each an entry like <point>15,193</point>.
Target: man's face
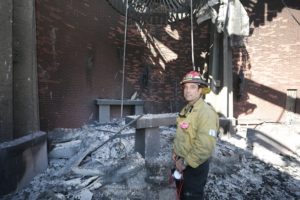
<point>191,92</point>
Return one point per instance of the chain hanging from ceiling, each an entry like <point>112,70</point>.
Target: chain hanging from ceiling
<point>157,11</point>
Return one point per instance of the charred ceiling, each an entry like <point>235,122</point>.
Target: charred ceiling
<point>157,11</point>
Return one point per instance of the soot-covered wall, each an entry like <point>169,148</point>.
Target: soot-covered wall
<point>80,59</point>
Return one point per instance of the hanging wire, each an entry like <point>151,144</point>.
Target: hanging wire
<point>124,54</point>
<point>192,35</point>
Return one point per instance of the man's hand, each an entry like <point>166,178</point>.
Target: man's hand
<point>174,156</point>
<point>180,166</point>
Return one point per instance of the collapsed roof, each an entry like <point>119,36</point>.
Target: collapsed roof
<point>228,15</point>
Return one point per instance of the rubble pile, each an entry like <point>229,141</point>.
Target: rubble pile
<point>93,162</point>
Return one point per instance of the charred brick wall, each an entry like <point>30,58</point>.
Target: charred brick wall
<point>157,58</point>
<point>76,61</point>
<point>270,61</point>
<point>80,56</point>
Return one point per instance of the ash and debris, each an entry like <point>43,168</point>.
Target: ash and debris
<point>115,172</point>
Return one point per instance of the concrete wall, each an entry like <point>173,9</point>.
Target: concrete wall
<point>6,89</point>
<point>20,160</point>
<point>271,61</point>
<point>80,48</point>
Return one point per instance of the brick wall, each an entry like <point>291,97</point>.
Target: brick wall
<point>270,59</point>
<point>155,67</point>
<point>80,47</point>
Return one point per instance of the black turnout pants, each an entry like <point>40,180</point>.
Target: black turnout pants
<point>194,180</point>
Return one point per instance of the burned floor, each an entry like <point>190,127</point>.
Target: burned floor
<point>93,162</point>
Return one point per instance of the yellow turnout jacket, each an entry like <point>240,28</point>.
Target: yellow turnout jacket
<point>196,133</point>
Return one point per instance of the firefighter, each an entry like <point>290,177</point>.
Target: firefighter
<point>194,143</point>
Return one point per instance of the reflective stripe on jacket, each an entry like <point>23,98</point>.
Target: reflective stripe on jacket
<point>196,131</point>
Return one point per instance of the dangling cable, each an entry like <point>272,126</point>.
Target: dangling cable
<point>192,35</point>
<point>124,54</point>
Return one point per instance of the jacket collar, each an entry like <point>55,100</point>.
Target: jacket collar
<point>188,108</point>
<point>198,104</point>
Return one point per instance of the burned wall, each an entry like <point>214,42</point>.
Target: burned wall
<point>266,66</point>
<point>158,57</point>
<point>80,59</point>
<point>18,87</point>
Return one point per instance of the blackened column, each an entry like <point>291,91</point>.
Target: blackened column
<point>6,88</point>
<point>26,117</point>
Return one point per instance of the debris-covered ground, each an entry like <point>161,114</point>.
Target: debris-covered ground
<point>84,164</point>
